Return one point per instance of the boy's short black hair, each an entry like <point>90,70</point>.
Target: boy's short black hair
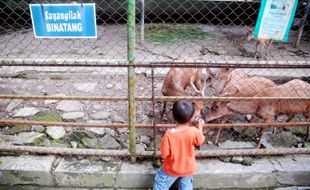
<point>183,111</point>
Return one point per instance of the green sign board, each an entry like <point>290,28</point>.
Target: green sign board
<point>275,19</point>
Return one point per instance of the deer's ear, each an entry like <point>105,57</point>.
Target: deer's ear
<point>230,90</point>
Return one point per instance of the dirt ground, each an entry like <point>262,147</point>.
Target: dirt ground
<point>224,43</point>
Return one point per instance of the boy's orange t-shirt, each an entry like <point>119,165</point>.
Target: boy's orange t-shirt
<point>178,151</point>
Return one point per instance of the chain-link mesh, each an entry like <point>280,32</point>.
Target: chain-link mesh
<point>18,42</point>
<point>213,31</point>
<point>76,118</point>
<point>208,31</point>
<point>238,117</point>
<point>68,109</point>
<point>80,104</point>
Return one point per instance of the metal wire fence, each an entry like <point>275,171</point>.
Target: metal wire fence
<point>211,31</point>
<point>78,96</point>
<point>208,31</point>
<point>77,120</point>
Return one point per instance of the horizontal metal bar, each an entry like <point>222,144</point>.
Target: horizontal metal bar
<point>63,151</point>
<point>63,124</point>
<point>205,98</point>
<point>257,125</point>
<point>301,64</point>
<point>100,152</point>
<point>141,125</point>
<point>61,62</point>
<point>86,98</point>
<point>148,98</point>
<point>236,64</point>
<point>251,152</point>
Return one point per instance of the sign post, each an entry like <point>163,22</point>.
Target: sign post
<point>275,19</point>
<point>64,20</point>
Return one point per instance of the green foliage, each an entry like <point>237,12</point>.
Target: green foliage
<point>47,116</point>
<point>81,145</point>
<point>60,143</point>
<point>168,33</point>
<point>18,129</point>
<point>78,135</point>
<point>39,141</point>
<point>16,154</point>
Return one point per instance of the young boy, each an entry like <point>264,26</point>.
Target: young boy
<point>177,149</point>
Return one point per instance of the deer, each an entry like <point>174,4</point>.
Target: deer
<point>178,79</point>
<point>224,76</point>
<point>268,109</point>
<point>238,85</point>
<point>265,43</point>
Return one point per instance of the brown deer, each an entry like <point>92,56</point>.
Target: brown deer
<point>244,87</point>
<point>224,76</point>
<point>268,109</point>
<point>264,44</point>
<point>178,79</point>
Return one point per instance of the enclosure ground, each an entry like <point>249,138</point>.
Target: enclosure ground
<point>210,44</point>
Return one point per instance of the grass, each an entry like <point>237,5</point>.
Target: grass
<point>170,33</point>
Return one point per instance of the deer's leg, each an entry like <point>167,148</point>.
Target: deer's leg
<point>262,130</point>
<point>164,110</point>
<point>256,50</point>
<point>308,133</point>
<point>268,49</point>
<point>225,119</point>
<point>275,129</point>
<point>308,128</point>
<point>217,136</point>
<point>196,85</point>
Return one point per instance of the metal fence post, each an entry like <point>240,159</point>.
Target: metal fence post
<point>142,23</point>
<point>131,29</point>
<point>153,112</point>
<point>302,24</point>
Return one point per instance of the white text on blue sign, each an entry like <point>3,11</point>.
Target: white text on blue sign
<point>64,20</point>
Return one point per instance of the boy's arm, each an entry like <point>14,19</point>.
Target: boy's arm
<point>199,138</point>
<point>164,147</point>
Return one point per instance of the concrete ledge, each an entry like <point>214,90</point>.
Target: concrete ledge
<point>136,175</point>
<point>26,170</point>
<point>294,171</point>
<point>215,174</point>
<point>212,174</point>
<point>85,173</point>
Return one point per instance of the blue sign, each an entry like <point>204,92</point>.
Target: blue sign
<point>64,20</point>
